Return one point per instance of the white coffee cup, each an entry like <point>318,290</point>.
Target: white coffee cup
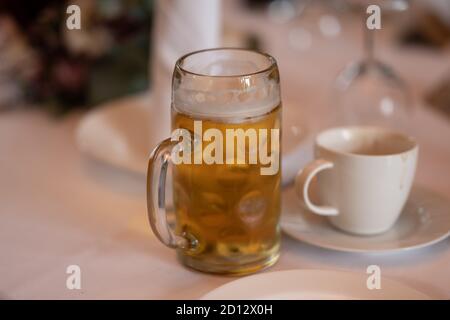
<point>364,176</point>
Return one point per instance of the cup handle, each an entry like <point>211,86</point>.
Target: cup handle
<point>303,180</point>
<point>156,195</point>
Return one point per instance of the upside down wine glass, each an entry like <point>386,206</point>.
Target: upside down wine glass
<point>369,92</point>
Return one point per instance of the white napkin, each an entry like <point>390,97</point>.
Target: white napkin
<point>181,27</point>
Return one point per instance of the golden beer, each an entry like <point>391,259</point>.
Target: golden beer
<point>231,210</point>
<point>224,151</point>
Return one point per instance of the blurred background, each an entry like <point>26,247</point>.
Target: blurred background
<point>44,65</point>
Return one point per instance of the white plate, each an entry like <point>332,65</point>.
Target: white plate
<point>311,285</point>
<point>424,221</point>
<point>117,134</point>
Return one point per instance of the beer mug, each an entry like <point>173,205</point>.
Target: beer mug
<point>224,152</point>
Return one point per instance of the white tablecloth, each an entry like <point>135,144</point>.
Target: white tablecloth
<point>58,208</point>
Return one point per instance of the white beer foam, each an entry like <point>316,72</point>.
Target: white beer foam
<point>224,84</point>
<point>227,103</point>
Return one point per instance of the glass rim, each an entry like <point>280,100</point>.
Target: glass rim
<point>272,61</point>
<point>410,141</point>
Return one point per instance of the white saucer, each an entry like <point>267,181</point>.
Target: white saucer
<point>311,285</point>
<point>424,221</point>
<point>116,133</point>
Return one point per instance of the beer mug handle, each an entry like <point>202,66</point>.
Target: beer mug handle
<point>156,196</point>
<point>302,182</point>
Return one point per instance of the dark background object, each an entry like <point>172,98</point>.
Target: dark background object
<point>107,58</point>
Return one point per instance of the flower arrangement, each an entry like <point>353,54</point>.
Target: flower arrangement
<point>45,63</point>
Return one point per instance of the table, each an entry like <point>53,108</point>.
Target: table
<point>58,208</point>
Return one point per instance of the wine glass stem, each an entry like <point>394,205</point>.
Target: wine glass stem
<point>368,42</point>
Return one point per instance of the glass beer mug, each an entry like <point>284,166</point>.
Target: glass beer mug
<point>225,156</point>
